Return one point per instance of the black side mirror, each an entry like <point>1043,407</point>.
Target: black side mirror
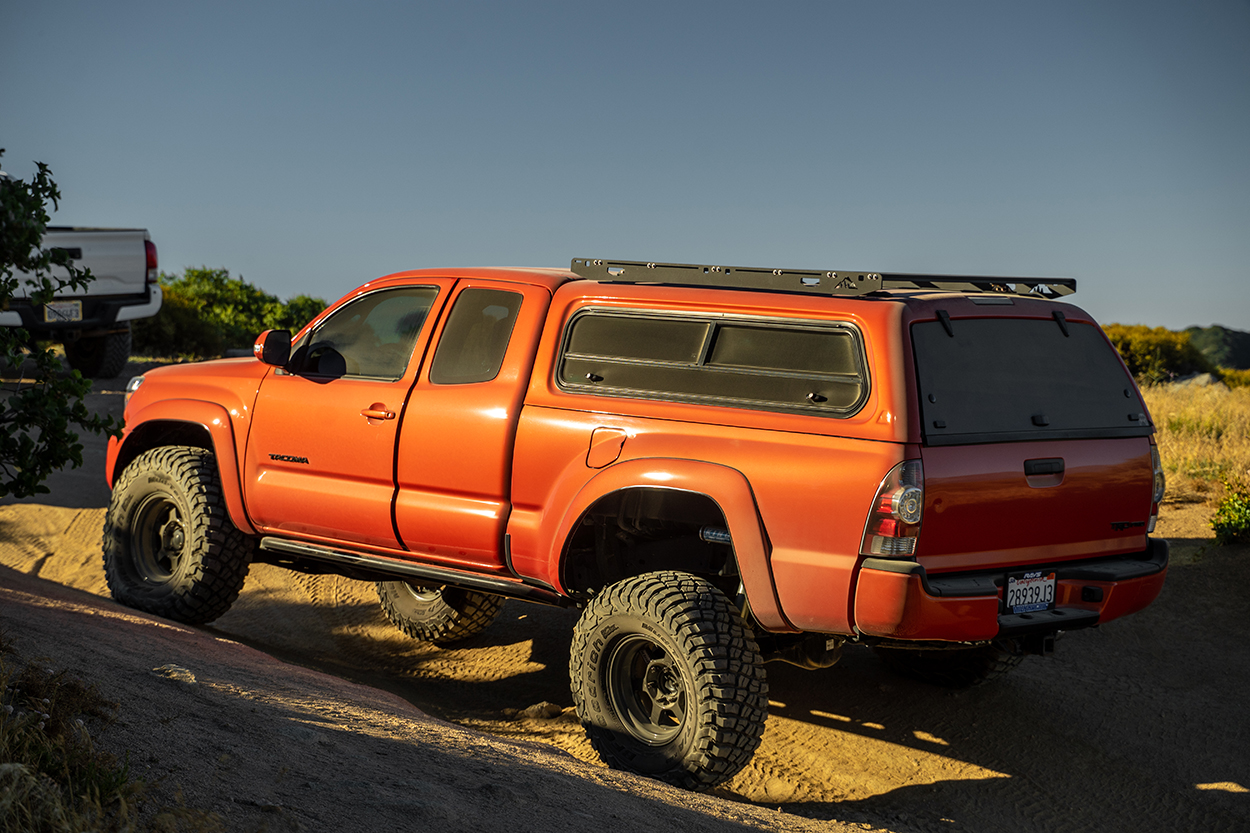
<point>273,347</point>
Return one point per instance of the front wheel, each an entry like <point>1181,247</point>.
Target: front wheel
<point>169,545</point>
<point>668,681</point>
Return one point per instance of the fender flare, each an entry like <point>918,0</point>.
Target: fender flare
<point>214,419</point>
<point>727,487</point>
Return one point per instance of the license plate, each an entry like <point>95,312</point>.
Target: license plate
<point>1029,592</point>
<point>62,311</point>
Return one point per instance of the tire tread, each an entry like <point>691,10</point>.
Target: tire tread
<point>729,675</point>
<point>224,555</point>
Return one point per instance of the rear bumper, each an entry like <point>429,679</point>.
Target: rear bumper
<point>899,600</point>
<point>99,313</point>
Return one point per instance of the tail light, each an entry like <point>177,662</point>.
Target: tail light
<point>150,247</point>
<point>894,522</point>
<point>1160,484</point>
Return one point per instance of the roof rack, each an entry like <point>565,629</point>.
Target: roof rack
<point>808,281</point>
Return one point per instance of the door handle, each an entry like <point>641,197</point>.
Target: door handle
<point>377,411</point>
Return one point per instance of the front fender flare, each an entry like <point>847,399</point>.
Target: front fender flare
<point>727,487</point>
<point>210,416</point>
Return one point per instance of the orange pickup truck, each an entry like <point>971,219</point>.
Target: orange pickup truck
<point>720,466</point>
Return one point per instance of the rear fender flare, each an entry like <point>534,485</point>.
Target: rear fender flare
<point>728,488</point>
<point>208,416</point>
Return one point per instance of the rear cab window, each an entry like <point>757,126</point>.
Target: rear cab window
<point>475,340</point>
<point>791,366</point>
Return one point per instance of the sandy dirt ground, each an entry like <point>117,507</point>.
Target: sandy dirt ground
<point>309,711</point>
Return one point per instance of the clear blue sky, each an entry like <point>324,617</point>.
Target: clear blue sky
<point>310,147</point>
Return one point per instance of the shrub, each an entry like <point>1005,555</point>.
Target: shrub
<point>1232,520</point>
<point>40,410</point>
<point>1157,354</point>
<point>53,777</point>
<point>1235,378</point>
<point>207,312</point>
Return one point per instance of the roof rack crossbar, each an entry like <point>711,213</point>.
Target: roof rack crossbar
<point>809,281</point>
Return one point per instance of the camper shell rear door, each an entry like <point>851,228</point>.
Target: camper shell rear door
<point>1035,440</point>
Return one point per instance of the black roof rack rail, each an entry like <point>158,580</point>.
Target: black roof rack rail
<point>809,281</point>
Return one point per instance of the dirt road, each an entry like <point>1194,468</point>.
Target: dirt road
<point>1137,725</point>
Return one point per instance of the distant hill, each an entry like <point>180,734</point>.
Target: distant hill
<point>1225,347</point>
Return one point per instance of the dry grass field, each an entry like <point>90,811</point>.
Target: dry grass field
<point>1204,438</point>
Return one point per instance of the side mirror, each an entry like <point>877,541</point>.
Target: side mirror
<point>273,347</point>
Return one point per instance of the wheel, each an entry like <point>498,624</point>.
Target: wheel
<point>960,668</point>
<point>169,545</point>
<point>437,614</point>
<point>668,681</point>
<point>100,357</point>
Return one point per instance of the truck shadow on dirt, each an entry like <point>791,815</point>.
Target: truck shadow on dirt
<point>1144,715</point>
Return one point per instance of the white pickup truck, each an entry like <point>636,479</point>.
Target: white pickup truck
<point>94,322</point>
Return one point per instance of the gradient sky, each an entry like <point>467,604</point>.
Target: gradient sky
<point>310,147</point>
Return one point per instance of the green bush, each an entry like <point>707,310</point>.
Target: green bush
<point>1157,354</point>
<point>1232,520</point>
<point>206,312</point>
<point>41,408</point>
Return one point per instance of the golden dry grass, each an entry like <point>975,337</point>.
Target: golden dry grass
<point>1203,436</point>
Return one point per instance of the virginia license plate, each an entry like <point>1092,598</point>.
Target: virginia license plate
<point>1029,592</point>
<point>62,311</point>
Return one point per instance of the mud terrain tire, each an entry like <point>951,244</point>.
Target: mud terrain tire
<point>668,680</point>
<point>169,545</point>
<point>99,357</point>
<point>441,615</point>
<point>953,669</point>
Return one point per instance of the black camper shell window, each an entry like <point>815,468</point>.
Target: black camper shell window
<point>1013,379</point>
<point>763,364</point>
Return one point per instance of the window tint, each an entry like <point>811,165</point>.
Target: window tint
<point>773,348</point>
<point>475,339</point>
<point>639,338</point>
<point>371,337</point>
<point>1009,379</point>
<point>792,366</point>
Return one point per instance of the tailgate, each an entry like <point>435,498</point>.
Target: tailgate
<point>116,257</point>
<point>1008,504</point>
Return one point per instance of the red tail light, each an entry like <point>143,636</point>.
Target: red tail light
<point>894,524</point>
<point>1160,484</point>
<point>150,247</point>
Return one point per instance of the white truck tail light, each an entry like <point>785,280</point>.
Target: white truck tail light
<point>150,247</point>
<point>894,522</point>
<point>1160,484</point>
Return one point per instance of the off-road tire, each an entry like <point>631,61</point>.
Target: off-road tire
<point>100,357</point>
<point>441,615</point>
<point>961,668</point>
<point>169,545</point>
<point>668,680</point>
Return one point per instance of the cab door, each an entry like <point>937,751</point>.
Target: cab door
<point>321,451</point>
<point>455,455</point>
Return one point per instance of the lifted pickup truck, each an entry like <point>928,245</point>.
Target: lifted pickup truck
<point>720,466</point>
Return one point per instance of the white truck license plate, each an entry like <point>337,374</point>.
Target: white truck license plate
<point>1029,592</point>
<point>63,311</point>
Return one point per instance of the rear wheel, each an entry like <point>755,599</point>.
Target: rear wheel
<point>960,668</point>
<point>100,357</point>
<point>437,614</point>
<point>169,545</point>
<point>668,681</point>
